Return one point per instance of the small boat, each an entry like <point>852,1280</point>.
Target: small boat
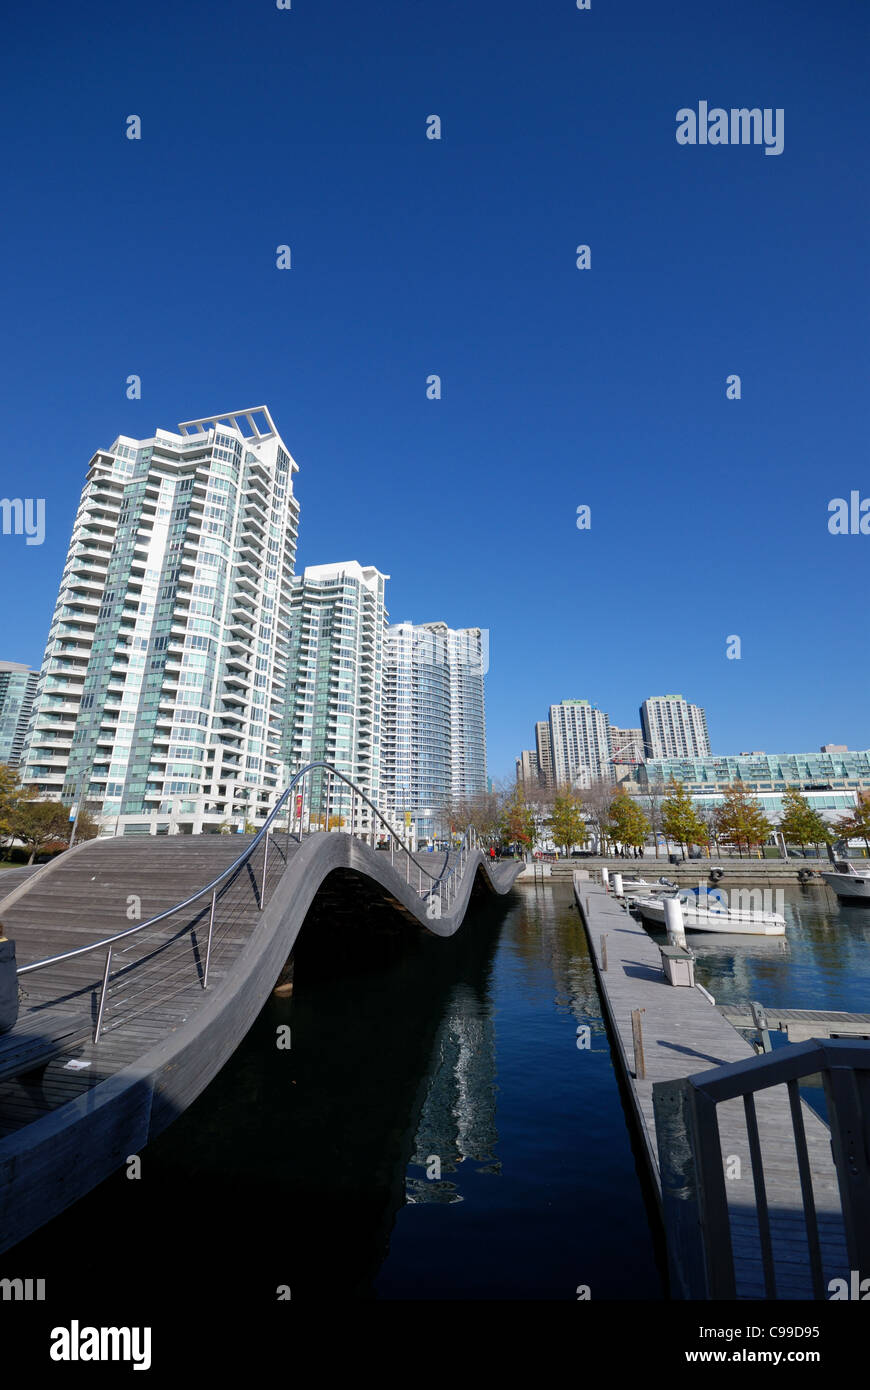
<point>640,885</point>
<point>711,914</point>
<point>847,881</point>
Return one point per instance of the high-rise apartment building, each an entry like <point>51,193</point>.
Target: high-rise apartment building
<point>544,750</point>
<point>580,742</point>
<point>434,724</point>
<point>626,745</point>
<point>335,677</point>
<point>161,697</point>
<point>17,689</point>
<point>672,728</point>
<point>527,769</point>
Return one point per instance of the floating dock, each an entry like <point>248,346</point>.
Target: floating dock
<point>683,1034</point>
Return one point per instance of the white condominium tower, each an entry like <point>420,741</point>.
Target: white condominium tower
<point>434,721</point>
<point>334,686</point>
<point>672,728</point>
<point>161,694</point>
<point>580,743</point>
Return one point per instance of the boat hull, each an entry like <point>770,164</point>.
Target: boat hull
<point>849,885</point>
<point>732,922</point>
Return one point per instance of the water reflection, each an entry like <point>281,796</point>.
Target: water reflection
<point>310,1168</point>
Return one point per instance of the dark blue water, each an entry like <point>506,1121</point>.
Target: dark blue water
<point>823,962</point>
<point>434,1132</point>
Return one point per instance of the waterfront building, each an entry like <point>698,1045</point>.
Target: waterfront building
<point>673,728</point>
<point>830,781</point>
<point>335,673</point>
<point>434,721</point>
<point>17,689</point>
<point>161,697</point>
<point>580,743</point>
<point>544,750</point>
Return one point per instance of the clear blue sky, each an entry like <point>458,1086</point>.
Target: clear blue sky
<point>413,256</point>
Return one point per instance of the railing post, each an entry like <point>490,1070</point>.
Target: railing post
<point>103,993</point>
<point>208,944</point>
<point>694,1201</point>
<point>265,861</point>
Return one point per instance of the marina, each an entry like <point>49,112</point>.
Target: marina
<point>768,1170</point>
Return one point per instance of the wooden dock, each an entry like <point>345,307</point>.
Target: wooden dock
<point>800,1024</point>
<point>684,1034</point>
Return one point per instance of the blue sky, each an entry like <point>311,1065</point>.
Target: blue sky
<point>412,256</point>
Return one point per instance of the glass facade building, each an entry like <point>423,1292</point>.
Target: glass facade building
<point>161,697</point>
<point>334,689</point>
<point>17,689</point>
<point>434,721</point>
<point>830,781</point>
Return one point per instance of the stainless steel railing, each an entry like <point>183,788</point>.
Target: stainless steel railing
<point>444,883</point>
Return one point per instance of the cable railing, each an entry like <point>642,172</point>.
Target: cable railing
<point>440,890</point>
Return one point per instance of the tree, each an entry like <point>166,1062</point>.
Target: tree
<point>855,825</point>
<point>800,823</point>
<point>626,822</point>
<point>597,801</point>
<point>680,820</point>
<point>517,825</point>
<point>482,812</point>
<point>12,794</point>
<point>707,818</point>
<point>37,823</point>
<point>741,821</point>
<point>567,822</point>
<point>652,800</point>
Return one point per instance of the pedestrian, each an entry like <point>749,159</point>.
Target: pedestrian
<point>492,854</point>
<point>8,983</point>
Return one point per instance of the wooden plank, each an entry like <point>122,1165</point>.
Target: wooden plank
<point>685,1035</point>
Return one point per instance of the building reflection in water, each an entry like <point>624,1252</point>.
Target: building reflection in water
<point>457,1121</point>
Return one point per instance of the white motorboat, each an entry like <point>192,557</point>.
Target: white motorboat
<point>710,914</point>
<point>641,886</point>
<point>847,881</point>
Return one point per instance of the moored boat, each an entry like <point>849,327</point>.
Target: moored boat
<point>847,881</point>
<point>710,915</point>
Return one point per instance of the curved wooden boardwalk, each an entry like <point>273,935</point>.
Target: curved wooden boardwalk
<point>72,1111</point>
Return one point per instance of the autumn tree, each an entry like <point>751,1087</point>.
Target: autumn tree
<point>38,823</point>
<point>800,823</point>
<point>517,824</point>
<point>741,821</point>
<point>12,795</point>
<point>855,824</point>
<point>567,822</point>
<point>680,820</point>
<point>626,822</point>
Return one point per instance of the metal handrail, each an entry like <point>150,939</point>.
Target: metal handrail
<point>694,1195</point>
<point>109,941</point>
